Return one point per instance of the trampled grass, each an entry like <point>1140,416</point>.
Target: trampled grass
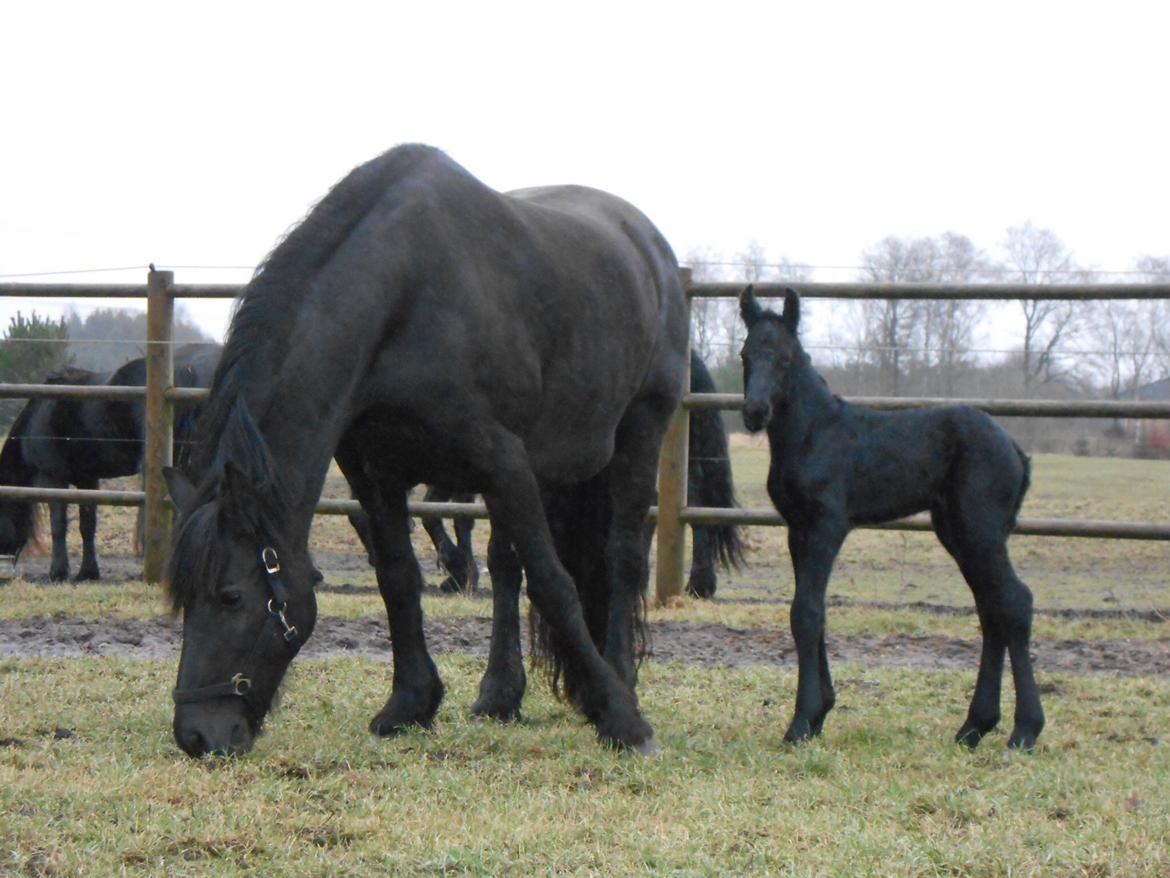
<point>91,783</point>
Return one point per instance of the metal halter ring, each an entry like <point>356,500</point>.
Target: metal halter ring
<point>270,560</point>
<point>290,631</point>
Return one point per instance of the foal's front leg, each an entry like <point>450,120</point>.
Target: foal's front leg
<point>813,549</point>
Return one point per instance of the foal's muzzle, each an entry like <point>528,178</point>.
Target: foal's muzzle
<point>756,415</point>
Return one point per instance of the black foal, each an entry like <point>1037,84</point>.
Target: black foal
<point>835,466</point>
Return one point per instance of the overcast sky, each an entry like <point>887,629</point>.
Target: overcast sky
<point>195,134</point>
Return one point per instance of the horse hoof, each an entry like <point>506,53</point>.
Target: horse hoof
<point>799,732</point>
<point>1022,741</point>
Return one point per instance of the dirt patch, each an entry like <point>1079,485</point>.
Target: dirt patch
<point>707,645</point>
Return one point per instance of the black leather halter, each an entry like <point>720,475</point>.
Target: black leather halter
<point>241,682</point>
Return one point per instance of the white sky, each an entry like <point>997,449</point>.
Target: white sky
<point>195,134</point>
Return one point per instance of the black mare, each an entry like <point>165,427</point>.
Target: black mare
<point>836,465</point>
<point>709,483</point>
<point>55,443</point>
<point>425,329</point>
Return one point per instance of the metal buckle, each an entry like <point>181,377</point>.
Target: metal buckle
<point>270,560</point>
<point>290,631</point>
<point>241,684</point>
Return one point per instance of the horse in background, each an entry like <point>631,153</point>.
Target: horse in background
<point>55,443</point>
<point>709,483</point>
<point>835,465</point>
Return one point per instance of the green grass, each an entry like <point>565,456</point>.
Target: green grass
<point>91,783</point>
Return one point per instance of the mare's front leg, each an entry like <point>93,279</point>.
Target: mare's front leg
<point>417,689</point>
<point>87,524</point>
<point>59,525</point>
<point>813,548</point>
<point>502,687</point>
<point>514,501</point>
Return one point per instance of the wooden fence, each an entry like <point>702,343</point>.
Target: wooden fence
<point>673,514</point>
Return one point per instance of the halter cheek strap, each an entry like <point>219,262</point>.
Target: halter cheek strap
<point>241,682</point>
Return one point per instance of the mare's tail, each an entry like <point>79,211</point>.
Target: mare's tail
<point>20,520</point>
<point>709,481</point>
<point>579,519</point>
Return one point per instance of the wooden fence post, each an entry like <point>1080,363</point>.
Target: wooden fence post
<point>672,484</point>
<point>159,421</point>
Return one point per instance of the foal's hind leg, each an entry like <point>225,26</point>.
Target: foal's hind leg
<point>502,687</point>
<point>1004,604</point>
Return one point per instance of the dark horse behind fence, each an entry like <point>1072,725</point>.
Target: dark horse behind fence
<point>55,443</point>
<point>709,483</point>
<point>835,466</point>
<point>425,329</point>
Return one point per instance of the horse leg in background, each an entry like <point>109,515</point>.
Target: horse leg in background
<point>59,526</point>
<point>514,501</point>
<point>87,524</point>
<point>1004,604</point>
<point>502,688</point>
<point>417,690</point>
<point>813,547</point>
<point>456,558</point>
<point>701,583</point>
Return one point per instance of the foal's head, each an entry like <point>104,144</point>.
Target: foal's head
<point>770,354</point>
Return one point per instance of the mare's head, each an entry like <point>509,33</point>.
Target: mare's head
<point>771,354</point>
<point>246,595</point>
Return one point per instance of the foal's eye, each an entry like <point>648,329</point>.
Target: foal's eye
<point>230,598</point>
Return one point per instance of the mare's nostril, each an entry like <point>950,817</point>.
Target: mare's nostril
<point>193,743</point>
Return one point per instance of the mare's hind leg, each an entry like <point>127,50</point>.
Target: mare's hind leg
<point>1004,605</point>
<point>59,524</point>
<point>813,549</point>
<point>417,690</point>
<point>633,487</point>
<point>701,583</point>
<point>514,500</point>
<point>502,687</point>
<point>87,524</point>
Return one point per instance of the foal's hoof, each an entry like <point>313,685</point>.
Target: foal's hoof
<point>798,732</point>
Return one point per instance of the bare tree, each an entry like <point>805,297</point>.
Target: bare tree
<point>931,338</point>
<point>1038,256</point>
<point>706,333</point>
<point>1156,270</point>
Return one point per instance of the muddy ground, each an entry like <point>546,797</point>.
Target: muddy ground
<point>704,644</point>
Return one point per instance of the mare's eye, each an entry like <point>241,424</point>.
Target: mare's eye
<point>230,598</point>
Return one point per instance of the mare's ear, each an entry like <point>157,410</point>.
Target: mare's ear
<point>246,472</point>
<point>791,314</point>
<point>749,308</point>
<point>181,489</point>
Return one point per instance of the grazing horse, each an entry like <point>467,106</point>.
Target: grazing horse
<point>835,466</point>
<point>709,483</point>
<point>55,443</point>
<point>422,328</point>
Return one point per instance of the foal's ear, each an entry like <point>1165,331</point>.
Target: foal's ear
<point>180,488</point>
<point>791,314</point>
<point>749,308</point>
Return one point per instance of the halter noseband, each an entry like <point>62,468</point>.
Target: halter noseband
<point>241,682</point>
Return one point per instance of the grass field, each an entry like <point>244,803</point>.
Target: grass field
<point>91,782</point>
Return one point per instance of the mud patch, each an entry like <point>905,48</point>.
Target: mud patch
<point>706,645</point>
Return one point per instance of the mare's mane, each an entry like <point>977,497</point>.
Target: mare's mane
<point>272,298</point>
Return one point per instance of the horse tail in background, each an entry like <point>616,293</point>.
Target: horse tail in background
<point>709,481</point>
<point>579,519</point>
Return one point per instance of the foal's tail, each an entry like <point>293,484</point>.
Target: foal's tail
<point>709,479</point>
<point>1025,483</point>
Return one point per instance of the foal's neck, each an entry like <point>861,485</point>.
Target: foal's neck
<point>809,404</point>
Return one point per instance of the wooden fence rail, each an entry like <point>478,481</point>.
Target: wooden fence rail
<point>672,514</point>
